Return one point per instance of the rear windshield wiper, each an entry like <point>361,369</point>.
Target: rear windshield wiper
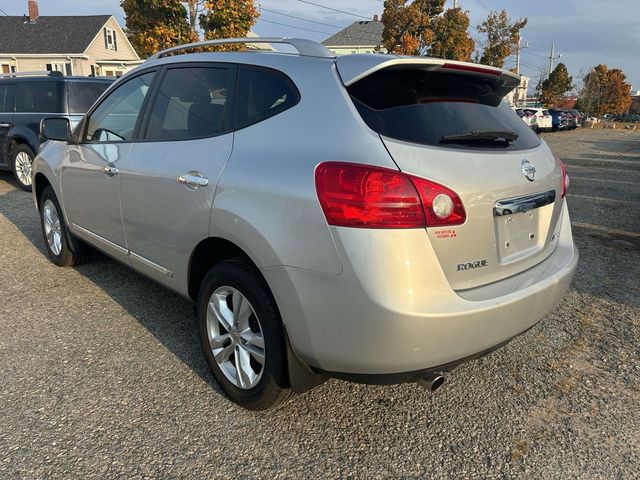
<point>488,136</point>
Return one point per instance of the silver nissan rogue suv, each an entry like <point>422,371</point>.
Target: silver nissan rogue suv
<point>375,218</point>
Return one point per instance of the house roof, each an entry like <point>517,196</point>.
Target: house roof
<point>362,33</point>
<point>49,34</point>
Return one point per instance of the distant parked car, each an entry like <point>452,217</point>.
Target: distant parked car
<point>25,99</point>
<point>579,116</point>
<point>572,120</point>
<point>527,117</point>
<point>559,120</point>
<point>543,119</point>
<point>629,117</point>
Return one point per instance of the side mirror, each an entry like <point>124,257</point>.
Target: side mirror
<point>55,128</point>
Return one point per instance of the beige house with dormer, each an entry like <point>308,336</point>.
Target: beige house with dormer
<point>74,45</point>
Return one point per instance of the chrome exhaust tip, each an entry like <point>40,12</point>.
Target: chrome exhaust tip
<point>432,382</point>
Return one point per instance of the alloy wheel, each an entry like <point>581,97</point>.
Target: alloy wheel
<point>235,337</point>
<point>23,167</point>
<point>52,229</point>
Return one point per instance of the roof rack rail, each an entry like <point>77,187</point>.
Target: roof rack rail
<point>35,73</point>
<point>307,48</point>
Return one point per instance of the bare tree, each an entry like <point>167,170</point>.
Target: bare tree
<point>194,9</point>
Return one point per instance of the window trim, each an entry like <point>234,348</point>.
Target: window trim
<point>229,120</point>
<point>105,96</point>
<point>110,32</point>
<point>278,110</point>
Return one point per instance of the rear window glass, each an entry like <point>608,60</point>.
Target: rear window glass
<point>263,94</point>
<point>38,97</point>
<point>82,95</point>
<point>426,106</point>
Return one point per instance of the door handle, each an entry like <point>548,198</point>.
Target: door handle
<point>5,125</point>
<point>193,179</point>
<point>110,171</point>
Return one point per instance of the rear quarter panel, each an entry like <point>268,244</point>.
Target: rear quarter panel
<point>266,199</point>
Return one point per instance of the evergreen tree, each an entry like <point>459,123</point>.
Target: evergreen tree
<point>556,86</point>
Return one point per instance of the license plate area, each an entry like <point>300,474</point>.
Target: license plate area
<point>522,226</point>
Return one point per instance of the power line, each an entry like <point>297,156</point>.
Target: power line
<point>536,55</point>
<point>333,9</point>
<point>482,5</point>
<point>321,23</point>
<point>293,26</point>
<point>300,18</point>
<point>355,37</point>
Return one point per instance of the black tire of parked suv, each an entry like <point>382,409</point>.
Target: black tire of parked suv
<point>67,257</point>
<point>273,387</point>
<point>14,156</point>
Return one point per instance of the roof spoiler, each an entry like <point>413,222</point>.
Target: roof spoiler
<point>356,67</point>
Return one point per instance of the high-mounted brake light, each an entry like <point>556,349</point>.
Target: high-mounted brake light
<point>355,195</point>
<point>565,179</point>
<point>471,68</point>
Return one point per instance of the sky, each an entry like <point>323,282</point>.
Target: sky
<point>585,32</point>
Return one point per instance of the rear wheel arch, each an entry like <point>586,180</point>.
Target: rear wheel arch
<point>40,182</point>
<point>214,250</point>
<point>18,140</point>
<point>208,253</point>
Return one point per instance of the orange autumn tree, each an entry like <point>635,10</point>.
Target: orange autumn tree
<point>451,39</point>
<point>228,19</point>
<point>156,24</point>
<point>407,25</point>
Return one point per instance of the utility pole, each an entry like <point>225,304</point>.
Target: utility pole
<point>519,48</point>
<point>518,55</point>
<point>455,3</point>
<point>552,58</point>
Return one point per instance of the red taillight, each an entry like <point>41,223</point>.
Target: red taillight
<point>565,179</point>
<point>432,195</point>
<point>353,195</point>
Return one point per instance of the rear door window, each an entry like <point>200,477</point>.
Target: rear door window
<point>38,97</point>
<point>263,93</point>
<point>425,107</point>
<point>82,95</point>
<point>191,103</point>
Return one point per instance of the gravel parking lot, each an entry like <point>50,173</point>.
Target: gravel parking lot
<point>101,373</point>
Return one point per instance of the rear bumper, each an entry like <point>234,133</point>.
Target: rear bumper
<point>387,315</point>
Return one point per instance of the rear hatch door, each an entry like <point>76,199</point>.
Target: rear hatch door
<point>508,180</point>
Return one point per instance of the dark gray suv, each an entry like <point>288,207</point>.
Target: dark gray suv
<point>25,99</point>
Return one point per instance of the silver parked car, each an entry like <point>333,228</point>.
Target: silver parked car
<point>374,218</point>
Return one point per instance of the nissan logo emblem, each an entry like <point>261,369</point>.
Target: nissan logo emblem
<point>529,170</point>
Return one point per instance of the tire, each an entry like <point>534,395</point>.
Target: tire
<point>21,163</point>
<point>56,235</point>
<point>237,283</point>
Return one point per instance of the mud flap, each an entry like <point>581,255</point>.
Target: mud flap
<point>301,377</point>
